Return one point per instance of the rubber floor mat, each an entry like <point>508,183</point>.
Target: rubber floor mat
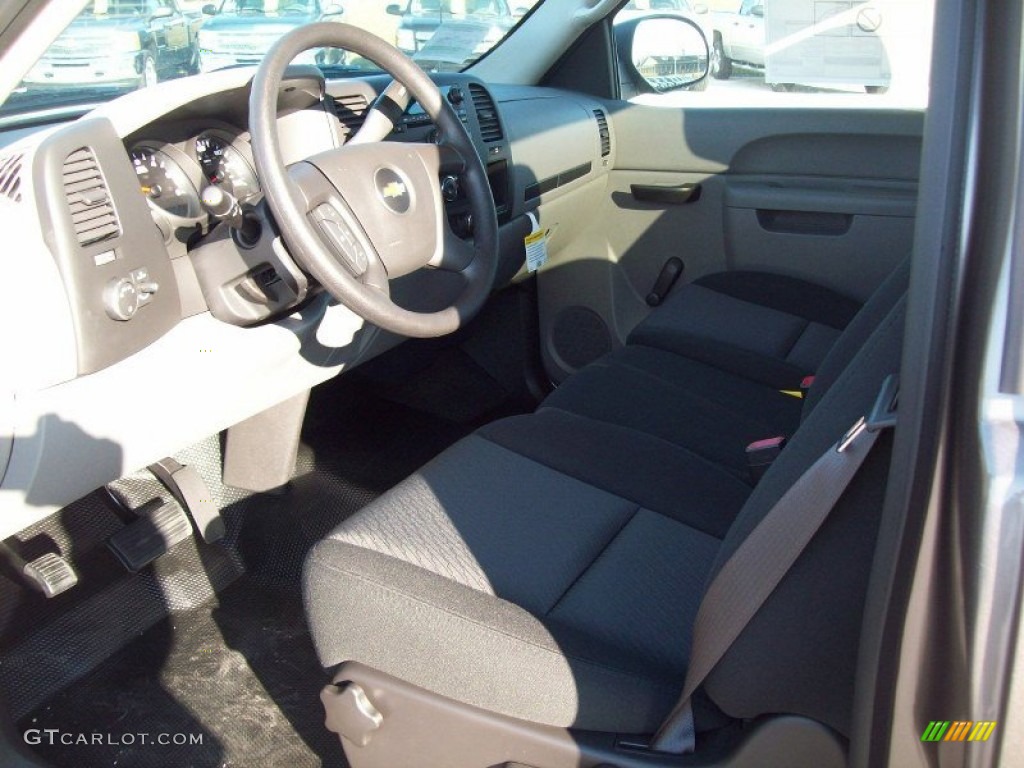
<point>238,675</point>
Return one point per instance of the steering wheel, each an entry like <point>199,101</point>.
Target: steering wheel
<point>356,216</point>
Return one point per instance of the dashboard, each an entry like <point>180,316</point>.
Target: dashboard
<point>150,324</point>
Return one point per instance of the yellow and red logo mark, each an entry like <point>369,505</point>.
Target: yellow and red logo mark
<point>958,730</point>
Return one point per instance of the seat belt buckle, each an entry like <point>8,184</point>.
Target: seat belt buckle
<point>806,383</point>
<point>761,454</point>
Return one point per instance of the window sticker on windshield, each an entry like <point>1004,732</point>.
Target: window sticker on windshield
<point>454,42</point>
<point>536,245</point>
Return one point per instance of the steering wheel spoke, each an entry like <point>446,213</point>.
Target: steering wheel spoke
<point>383,116</point>
<point>337,226</point>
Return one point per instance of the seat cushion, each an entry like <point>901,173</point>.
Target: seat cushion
<point>708,411</point>
<point>770,328</point>
<point>502,581</point>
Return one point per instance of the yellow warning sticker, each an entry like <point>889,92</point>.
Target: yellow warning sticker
<point>536,249</point>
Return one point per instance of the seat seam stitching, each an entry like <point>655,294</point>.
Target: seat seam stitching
<point>688,451</point>
<point>796,340</point>
<point>610,492</point>
<point>482,625</point>
<point>702,343</point>
<point>737,297</point>
<point>596,557</point>
<point>696,396</point>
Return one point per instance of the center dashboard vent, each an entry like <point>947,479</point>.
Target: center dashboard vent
<point>486,113</point>
<point>603,132</point>
<point>10,177</point>
<point>351,112</point>
<point>92,212</point>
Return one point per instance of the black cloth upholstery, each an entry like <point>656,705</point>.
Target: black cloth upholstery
<point>791,295</point>
<point>705,409</point>
<point>770,328</point>
<point>839,357</point>
<point>494,579</point>
<point>549,566</point>
<point>690,404</point>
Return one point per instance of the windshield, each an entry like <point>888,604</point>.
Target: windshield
<point>117,46</point>
<point>467,9</point>
<point>657,5</point>
<point>263,8</point>
<point>117,8</point>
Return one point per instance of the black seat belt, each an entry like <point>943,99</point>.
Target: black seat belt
<point>759,563</point>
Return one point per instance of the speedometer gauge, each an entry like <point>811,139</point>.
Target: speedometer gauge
<point>225,166</point>
<point>164,182</point>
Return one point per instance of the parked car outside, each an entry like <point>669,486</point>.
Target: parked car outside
<point>471,27</point>
<point>239,32</point>
<point>121,43</point>
<point>737,38</point>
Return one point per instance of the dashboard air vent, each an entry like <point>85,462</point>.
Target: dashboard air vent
<point>10,177</point>
<point>486,113</point>
<point>92,213</point>
<point>602,130</point>
<point>351,112</point>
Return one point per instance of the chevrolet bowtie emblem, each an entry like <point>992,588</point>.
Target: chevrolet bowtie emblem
<point>392,190</point>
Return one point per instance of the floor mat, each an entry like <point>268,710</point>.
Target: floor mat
<point>47,644</point>
<point>240,675</point>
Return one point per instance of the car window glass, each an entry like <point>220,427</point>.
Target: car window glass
<point>798,53</point>
<point>117,46</point>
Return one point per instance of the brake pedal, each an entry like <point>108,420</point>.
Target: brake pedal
<point>49,573</point>
<point>157,530</point>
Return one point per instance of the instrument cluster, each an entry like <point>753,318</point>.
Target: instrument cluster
<point>173,174</point>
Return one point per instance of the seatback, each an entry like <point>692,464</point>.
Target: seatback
<point>892,289</point>
<point>798,654</point>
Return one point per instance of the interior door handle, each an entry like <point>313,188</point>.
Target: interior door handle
<point>666,194</point>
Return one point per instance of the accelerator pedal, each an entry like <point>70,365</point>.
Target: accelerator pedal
<point>192,493</point>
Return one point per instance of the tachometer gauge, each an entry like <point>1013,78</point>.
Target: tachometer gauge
<point>164,182</point>
<point>225,166</point>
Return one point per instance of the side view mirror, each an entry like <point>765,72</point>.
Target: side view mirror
<point>163,12</point>
<point>666,53</point>
<point>757,10</point>
<point>394,10</point>
<point>333,10</point>
<point>520,11</point>
<point>209,9</point>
